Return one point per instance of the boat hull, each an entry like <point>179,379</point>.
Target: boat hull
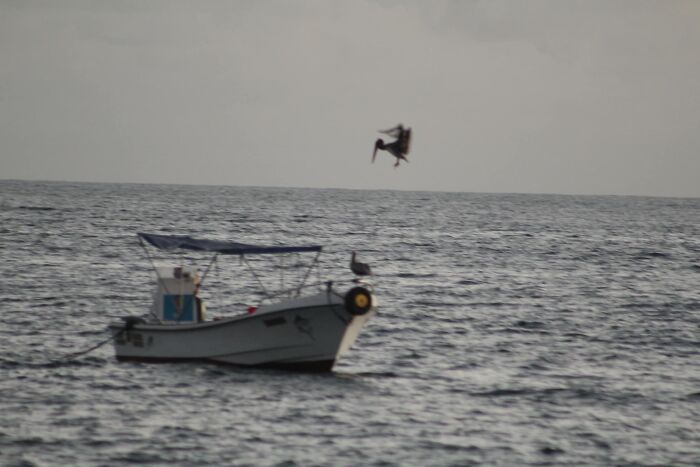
<point>307,334</point>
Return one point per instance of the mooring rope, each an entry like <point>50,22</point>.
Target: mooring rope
<point>72,356</point>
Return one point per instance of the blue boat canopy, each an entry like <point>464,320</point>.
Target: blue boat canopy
<point>172,242</point>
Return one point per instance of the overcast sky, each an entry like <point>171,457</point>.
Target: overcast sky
<point>536,96</point>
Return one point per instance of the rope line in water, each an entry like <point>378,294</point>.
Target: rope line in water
<point>74,355</point>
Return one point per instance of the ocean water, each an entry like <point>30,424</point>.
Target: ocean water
<point>513,330</point>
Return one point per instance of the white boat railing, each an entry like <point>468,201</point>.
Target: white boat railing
<point>327,285</point>
<point>267,295</point>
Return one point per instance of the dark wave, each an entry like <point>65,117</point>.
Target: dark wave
<point>36,208</point>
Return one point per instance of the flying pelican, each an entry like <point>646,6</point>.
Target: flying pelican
<point>360,269</point>
<point>398,148</point>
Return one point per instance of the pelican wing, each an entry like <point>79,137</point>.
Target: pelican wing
<point>405,139</point>
<point>393,132</point>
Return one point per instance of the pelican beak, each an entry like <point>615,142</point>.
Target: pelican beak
<point>374,154</point>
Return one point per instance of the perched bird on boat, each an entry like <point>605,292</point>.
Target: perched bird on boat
<point>398,148</point>
<point>360,269</point>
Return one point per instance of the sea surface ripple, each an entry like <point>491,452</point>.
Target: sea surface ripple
<point>513,330</point>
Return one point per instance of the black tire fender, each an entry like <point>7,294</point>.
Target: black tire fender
<point>358,301</point>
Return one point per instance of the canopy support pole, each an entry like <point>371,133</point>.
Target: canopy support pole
<point>308,271</point>
<point>206,271</point>
<point>252,271</point>
<point>160,280</point>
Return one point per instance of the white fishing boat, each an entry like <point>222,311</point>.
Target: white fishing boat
<point>306,327</point>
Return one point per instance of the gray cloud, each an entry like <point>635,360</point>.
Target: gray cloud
<point>537,96</point>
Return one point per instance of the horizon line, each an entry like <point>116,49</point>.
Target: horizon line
<point>346,188</point>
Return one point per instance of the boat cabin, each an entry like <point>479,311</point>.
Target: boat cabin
<point>175,298</point>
